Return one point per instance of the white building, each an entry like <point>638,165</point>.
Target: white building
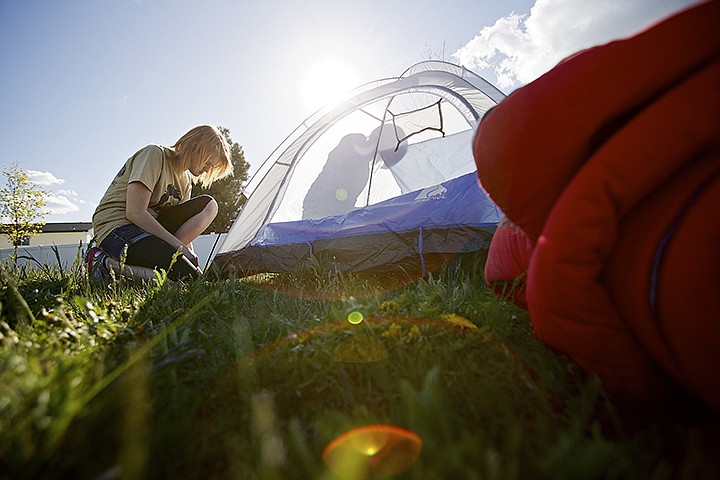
<point>68,240</point>
<point>66,233</point>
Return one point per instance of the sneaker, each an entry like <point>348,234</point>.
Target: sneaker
<point>96,267</point>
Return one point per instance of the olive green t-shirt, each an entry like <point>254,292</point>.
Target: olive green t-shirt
<point>154,167</point>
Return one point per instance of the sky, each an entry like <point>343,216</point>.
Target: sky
<point>86,83</point>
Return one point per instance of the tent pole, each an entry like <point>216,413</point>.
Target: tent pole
<point>377,148</point>
<point>207,262</point>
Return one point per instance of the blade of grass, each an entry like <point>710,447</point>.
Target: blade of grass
<point>108,379</point>
<point>18,295</point>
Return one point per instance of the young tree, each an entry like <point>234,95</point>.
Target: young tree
<point>21,203</point>
<point>228,191</point>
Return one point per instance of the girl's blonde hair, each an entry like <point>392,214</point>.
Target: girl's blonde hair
<point>202,143</point>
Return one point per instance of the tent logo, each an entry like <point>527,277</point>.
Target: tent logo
<point>434,192</point>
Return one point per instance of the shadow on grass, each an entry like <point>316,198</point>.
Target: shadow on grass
<point>254,378</point>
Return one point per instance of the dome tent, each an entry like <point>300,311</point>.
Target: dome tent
<point>380,181</point>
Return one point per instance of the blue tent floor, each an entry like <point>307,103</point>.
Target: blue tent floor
<point>413,233</point>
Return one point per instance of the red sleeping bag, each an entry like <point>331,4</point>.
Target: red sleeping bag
<point>608,170</point>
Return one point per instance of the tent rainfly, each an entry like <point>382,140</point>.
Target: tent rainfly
<point>382,181</point>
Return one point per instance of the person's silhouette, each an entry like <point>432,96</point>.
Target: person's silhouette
<point>347,171</point>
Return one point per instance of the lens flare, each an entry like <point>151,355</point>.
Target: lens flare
<point>355,318</point>
<point>341,194</point>
<point>372,451</point>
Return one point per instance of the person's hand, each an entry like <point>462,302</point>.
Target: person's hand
<point>191,256</point>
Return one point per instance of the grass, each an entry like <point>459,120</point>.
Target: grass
<point>253,378</point>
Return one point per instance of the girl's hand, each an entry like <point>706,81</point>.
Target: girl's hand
<point>191,256</point>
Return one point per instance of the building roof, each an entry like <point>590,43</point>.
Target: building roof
<point>66,227</point>
<point>62,227</point>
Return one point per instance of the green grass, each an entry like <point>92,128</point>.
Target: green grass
<point>253,378</point>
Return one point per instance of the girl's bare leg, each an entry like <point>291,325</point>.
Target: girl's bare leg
<point>196,224</point>
<point>132,271</point>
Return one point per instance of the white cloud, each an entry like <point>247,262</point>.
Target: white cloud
<point>59,201</point>
<point>519,48</point>
<point>44,178</point>
<point>58,204</point>
<point>71,194</point>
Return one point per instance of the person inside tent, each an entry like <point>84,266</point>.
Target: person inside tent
<point>392,147</point>
<point>147,215</point>
<point>345,174</point>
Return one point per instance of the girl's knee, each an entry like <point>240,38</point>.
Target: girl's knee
<point>211,208</point>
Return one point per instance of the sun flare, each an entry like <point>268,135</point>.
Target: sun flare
<point>326,82</point>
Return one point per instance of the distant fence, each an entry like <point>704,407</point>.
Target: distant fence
<point>45,255</point>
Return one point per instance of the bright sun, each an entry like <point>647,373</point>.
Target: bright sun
<point>326,81</point>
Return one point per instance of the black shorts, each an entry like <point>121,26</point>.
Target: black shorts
<point>147,250</point>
